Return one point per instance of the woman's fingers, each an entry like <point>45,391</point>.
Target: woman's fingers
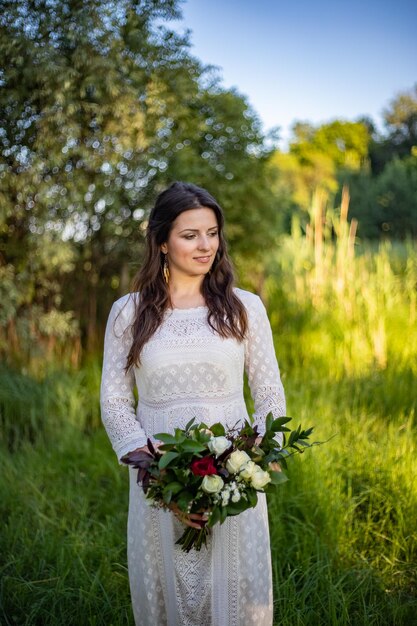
<point>189,519</point>
<point>275,467</point>
<point>188,522</point>
<point>198,516</point>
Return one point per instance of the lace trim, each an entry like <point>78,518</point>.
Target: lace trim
<point>233,571</point>
<point>122,427</point>
<point>185,399</point>
<point>268,399</point>
<point>193,584</point>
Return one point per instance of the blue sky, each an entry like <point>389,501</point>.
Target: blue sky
<point>305,60</point>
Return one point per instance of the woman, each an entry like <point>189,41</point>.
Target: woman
<point>183,338</point>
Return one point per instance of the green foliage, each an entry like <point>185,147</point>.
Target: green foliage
<point>345,143</point>
<point>396,196</point>
<point>102,108</point>
<point>355,307</point>
<point>400,136</point>
<point>379,169</point>
<point>317,154</point>
<point>342,529</point>
<point>343,533</point>
<point>41,410</point>
<point>385,205</point>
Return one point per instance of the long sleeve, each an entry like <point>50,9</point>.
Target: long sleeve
<point>261,366</point>
<point>116,397</point>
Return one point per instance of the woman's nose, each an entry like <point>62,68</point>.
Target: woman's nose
<point>203,243</point>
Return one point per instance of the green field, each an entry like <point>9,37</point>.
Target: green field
<point>343,529</point>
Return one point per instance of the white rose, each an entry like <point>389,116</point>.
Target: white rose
<point>236,460</point>
<point>218,445</point>
<point>212,484</point>
<point>260,478</point>
<point>248,469</point>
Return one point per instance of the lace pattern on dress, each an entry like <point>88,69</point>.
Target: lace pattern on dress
<point>189,371</point>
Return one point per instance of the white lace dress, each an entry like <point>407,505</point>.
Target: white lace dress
<point>188,371</point>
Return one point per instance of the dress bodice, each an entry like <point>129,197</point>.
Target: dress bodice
<point>186,370</point>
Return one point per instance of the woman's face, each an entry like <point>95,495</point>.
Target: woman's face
<point>192,243</point>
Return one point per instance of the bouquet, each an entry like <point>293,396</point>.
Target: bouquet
<point>214,471</point>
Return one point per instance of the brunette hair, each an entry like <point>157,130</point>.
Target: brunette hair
<point>227,314</point>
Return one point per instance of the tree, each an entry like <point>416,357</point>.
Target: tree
<point>101,108</point>
<point>400,120</point>
<point>317,158</point>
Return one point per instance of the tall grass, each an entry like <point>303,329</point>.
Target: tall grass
<point>343,529</point>
<point>355,306</point>
<point>40,409</point>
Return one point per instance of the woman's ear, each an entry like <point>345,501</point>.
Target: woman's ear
<point>164,248</point>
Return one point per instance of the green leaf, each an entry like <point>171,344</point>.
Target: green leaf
<point>223,514</point>
<point>166,438</point>
<point>277,478</point>
<point>166,459</point>
<point>181,475</point>
<point>234,508</point>
<point>179,435</point>
<point>192,446</point>
<point>184,500</point>
<point>252,497</point>
<point>189,424</point>
<point>279,422</point>
<point>166,495</point>
<point>175,487</point>
<point>214,517</point>
<point>218,430</point>
<point>269,421</point>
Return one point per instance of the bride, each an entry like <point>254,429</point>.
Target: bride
<point>183,338</point>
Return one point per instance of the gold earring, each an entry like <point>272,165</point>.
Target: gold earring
<point>166,270</point>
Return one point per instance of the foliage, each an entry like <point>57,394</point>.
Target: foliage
<point>102,108</point>
<point>400,119</point>
<point>350,299</point>
<point>344,143</point>
<point>377,167</point>
<point>343,530</point>
<point>42,410</point>
<point>316,154</point>
<point>177,472</point>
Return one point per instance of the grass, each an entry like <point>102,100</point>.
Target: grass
<point>343,531</point>
<point>63,515</point>
<point>344,542</point>
<point>343,528</point>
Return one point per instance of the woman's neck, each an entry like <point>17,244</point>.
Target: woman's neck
<point>186,294</point>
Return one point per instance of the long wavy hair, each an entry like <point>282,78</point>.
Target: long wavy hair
<point>226,313</point>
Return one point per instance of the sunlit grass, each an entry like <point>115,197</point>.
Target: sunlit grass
<point>343,532</point>
<point>344,544</point>
<point>343,529</point>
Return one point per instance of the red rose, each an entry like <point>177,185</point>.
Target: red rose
<point>204,466</point>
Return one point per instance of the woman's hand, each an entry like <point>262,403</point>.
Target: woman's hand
<point>275,467</point>
<point>194,520</point>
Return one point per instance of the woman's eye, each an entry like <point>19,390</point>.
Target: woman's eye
<point>213,234</point>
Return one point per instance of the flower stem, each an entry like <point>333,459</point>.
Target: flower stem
<point>193,538</point>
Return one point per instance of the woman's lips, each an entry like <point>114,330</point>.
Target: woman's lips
<point>202,259</point>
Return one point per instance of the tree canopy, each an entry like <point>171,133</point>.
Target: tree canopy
<point>102,105</point>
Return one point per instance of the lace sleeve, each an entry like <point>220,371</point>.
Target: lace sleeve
<point>261,366</point>
<point>116,397</point>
